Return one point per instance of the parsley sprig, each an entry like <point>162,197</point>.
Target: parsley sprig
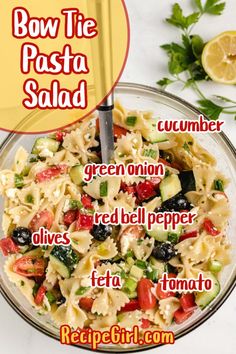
<point>185,57</point>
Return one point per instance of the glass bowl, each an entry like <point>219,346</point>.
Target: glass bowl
<point>166,106</point>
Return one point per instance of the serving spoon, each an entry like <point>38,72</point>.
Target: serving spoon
<point>106,129</point>
<point>103,64</point>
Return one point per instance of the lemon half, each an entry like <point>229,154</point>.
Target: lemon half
<point>219,58</point>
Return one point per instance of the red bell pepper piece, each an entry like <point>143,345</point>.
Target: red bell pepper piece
<point>60,136</point>
<point>130,189</point>
<point>145,190</point>
<point>84,221</point>
<point>188,235</point>
<point>50,173</point>
<point>210,228</point>
<point>132,305</point>
<point>86,200</point>
<point>69,217</point>
<point>8,246</point>
<point>145,323</point>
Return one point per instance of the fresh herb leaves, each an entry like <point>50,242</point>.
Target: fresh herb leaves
<point>165,82</point>
<point>179,20</point>
<point>213,7</point>
<point>185,57</point>
<point>211,109</point>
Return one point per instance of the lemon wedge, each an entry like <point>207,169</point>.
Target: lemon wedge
<point>219,58</point>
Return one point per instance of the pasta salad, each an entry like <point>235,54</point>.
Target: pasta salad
<point>45,188</point>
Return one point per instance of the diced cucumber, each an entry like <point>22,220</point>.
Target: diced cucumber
<point>136,272</point>
<point>153,204</point>
<point>45,144</point>
<point>130,261</point>
<point>132,295</point>
<point>214,266</point>
<point>157,231</point>
<point>204,298</point>
<point>151,134</point>
<point>60,267</point>
<point>23,249</point>
<point>36,252</point>
<point>178,230</point>
<point>130,285</point>
<point>76,174</point>
<point>63,260</point>
<point>169,187</point>
<point>159,265</point>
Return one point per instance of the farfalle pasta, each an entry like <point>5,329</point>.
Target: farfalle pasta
<point>45,188</point>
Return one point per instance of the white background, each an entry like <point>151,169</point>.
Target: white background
<point>147,64</point>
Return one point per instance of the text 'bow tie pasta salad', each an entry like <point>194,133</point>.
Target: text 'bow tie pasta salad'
<point>45,188</point>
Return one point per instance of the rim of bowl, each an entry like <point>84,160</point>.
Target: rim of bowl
<point>214,308</point>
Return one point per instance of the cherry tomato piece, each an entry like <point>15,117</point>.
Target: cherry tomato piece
<point>40,295</point>
<point>180,316</point>
<point>164,294</point>
<point>187,302</point>
<point>86,303</point>
<point>29,266</point>
<point>146,298</point>
<point>43,218</point>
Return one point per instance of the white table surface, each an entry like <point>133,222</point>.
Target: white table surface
<point>147,64</point>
